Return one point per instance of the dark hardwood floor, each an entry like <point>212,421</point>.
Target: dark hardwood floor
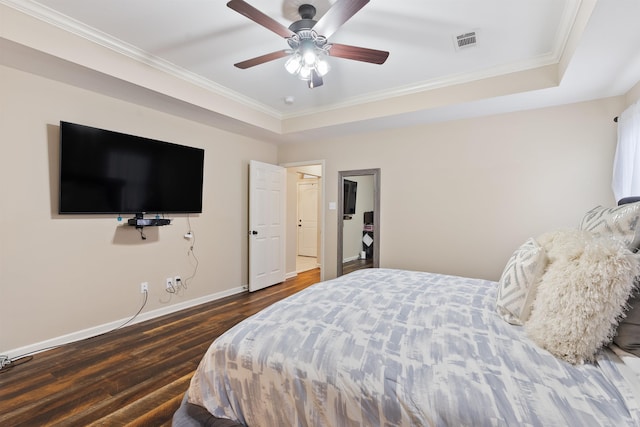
<point>357,264</point>
<point>136,375</point>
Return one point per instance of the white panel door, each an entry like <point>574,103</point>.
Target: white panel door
<point>308,219</point>
<point>267,198</point>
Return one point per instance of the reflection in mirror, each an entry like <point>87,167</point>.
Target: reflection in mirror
<point>358,220</point>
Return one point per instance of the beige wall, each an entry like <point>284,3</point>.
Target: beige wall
<point>459,197</point>
<point>63,274</point>
<point>456,198</point>
<point>633,95</point>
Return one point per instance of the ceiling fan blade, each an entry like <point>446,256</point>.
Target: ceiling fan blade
<point>358,53</point>
<point>337,15</point>
<point>316,80</point>
<point>255,15</point>
<point>261,59</point>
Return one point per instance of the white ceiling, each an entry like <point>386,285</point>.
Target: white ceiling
<point>530,54</point>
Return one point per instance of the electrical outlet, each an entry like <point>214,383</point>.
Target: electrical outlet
<point>170,284</point>
<point>144,287</point>
<point>178,281</point>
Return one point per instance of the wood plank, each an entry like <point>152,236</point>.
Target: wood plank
<point>136,375</point>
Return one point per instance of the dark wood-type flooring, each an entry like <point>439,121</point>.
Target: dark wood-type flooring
<point>357,264</point>
<point>136,375</point>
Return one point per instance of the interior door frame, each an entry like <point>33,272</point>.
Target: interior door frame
<point>376,214</point>
<point>321,220</point>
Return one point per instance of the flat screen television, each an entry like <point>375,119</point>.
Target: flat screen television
<point>106,172</point>
<point>350,192</point>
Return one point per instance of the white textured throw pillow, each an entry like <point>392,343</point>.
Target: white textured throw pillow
<point>622,222</point>
<point>582,294</point>
<point>517,286</point>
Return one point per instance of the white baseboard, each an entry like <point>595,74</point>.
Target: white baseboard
<point>108,327</point>
<point>353,258</point>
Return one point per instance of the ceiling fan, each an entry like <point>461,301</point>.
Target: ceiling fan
<point>308,39</point>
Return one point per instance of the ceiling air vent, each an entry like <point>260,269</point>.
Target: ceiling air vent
<point>465,40</point>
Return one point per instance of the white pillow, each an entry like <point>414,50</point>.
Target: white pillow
<point>582,294</point>
<point>517,285</point>
<point>622,222</point>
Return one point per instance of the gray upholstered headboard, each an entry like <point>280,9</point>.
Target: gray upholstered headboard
<point>626,200</point>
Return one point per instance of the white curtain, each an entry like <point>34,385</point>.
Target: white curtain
<point>626,165</point>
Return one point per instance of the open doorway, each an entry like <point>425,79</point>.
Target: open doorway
<point>358,220</point>
<point>307,186</point>
<point>305,237</point>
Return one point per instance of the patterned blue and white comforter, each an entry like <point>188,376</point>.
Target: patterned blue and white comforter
<point>381,347</point>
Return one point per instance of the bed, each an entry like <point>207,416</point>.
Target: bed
<point>384,347</point>
<point>555,342</point>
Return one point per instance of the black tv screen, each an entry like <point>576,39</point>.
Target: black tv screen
<point>106,172</point>
<point>350,193</point>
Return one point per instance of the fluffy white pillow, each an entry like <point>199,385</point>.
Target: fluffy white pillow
<point>582,294</point>
<point>517,285</point>
<point>622,222</point>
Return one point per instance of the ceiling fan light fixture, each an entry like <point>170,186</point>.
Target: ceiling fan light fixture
<point>307,34</point>
<point>297,66</point>
<point>322,67</point>
<point>305,72</point>
<point>315,80</point>
<point>310,57</point>
<point>293,64</point>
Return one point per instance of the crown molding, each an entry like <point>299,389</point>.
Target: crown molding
<point>105,40</point>
<point>100,38</point>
